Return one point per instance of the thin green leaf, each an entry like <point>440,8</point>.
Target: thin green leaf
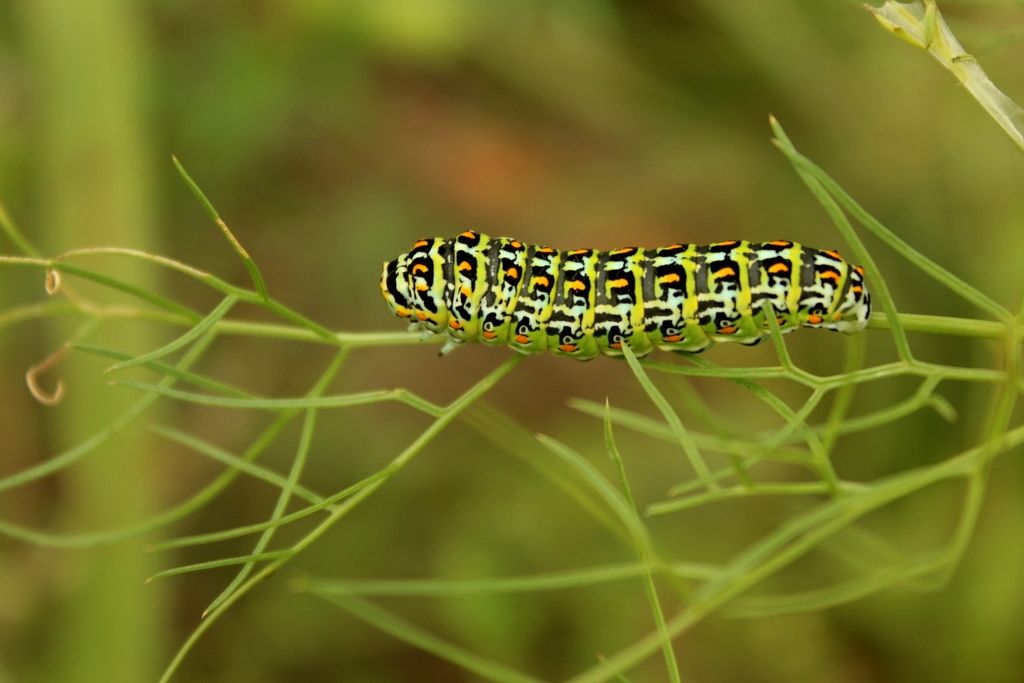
<point>250,265</point>
<point>327,504</point>
<point>838,594</point>
<point>682,436</point>
<point>217,564</point>
<point>402,630</point>
<point>879,287</point>
<point>275,404</point>
<point>292,484</point>
<point>502,432</point>
<point>233,461</point>
<point>10,228</point>
<point>643,550</point>
<point>832,196</point>
<point>791,541</point>
<point>193,378</point>
<point>453,410</point>
<point>184,340</point>
<point>537,583</point>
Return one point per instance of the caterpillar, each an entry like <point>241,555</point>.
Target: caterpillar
<point>584,302</point>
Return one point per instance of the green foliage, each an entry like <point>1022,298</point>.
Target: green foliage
<point>829,511</point>
<point>844,502</point>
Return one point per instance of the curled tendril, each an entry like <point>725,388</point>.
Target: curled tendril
<point>54,284</point>
<point>33,373</point>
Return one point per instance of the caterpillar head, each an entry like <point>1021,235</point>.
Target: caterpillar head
<point>394,287</point>
<point>413,286</point>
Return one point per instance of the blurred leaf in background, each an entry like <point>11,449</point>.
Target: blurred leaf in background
<point>330,136</point>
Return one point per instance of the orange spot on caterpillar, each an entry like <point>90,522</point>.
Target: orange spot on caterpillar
<point>577,252</point>
<point>727,243</point>
<point>724,272</point>
<point>421,315</point>
<point>616,345</point>
<point>512,272</point>
<point>829,275</point>
<point>672,338</point>
<point>781,243</point>
<point>422,287</point>
<point>627,250</point>
<point>419,268</point>
<point>856,289</point>
<point>465,265</point>
<point>814,319</point>
<point>545,250</point>
<point>859,270</point>
<point>488,334</point>
<point>833,253</point>
<point>402,312</point>
<point>621,282</point>
<point>420,243</point>
<point>671,277</point>
<point>568,348</point>
<point>515,244</point>
<point>454,324</point>
<point>522,338</point>
<point>577,285</point>
<point>467,233</point>
<point>728,329</point>
<point>465,291</point>
<point>541,280</point>
<point>778,268</point>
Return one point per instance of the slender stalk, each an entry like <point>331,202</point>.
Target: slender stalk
<point>93,162</point>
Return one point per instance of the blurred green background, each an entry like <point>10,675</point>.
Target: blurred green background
<point>331,134</point>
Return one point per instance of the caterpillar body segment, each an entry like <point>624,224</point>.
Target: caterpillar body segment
<point>583,302</point>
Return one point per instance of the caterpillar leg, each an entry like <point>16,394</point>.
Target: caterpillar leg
<point>449,346</point>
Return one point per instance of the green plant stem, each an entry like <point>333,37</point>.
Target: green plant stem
<point>417,637</point>
<point>643,547</point>
<point>91,178</point>
<point>292,484</point>
<point>683,438</point>
<point>839,219</point>
<point>792,541</point>
<point>250,265</point>
<point>549,581</point>
<point>453,410</point>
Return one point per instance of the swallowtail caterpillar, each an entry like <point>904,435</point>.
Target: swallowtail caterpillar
<point>584,302</point>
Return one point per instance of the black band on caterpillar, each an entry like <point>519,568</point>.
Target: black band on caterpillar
<point>582,302</point>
